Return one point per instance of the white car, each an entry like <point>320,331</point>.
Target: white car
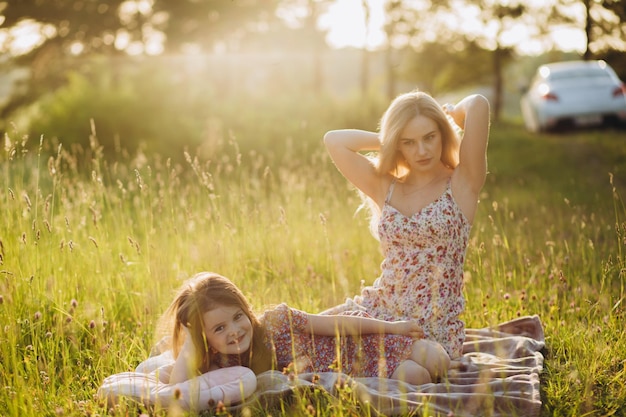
<point>573,93</point>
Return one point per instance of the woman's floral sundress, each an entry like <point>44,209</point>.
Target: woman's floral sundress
<point>370,355</point>
<point>422,273</point>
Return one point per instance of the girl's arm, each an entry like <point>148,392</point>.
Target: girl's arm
<point>332,325</point>
<point>344,147</point>
<point>472,115</point>
<point>185,366</point>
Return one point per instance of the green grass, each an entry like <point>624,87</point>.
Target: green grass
<point>90,260</point>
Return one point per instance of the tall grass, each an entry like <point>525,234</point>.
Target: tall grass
<point>90,260</point>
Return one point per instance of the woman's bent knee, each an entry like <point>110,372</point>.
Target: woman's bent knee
<point>432,356</point>
<point>412,373</point>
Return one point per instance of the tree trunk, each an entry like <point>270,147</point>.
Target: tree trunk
<point>391,73</point>
<point>365,71</point>
<point>497,83</point>
<point>588,25</point>
<point>365,57</point>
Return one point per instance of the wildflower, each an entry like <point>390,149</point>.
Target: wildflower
<point>1,299</point>
<point>37,316</point>
<point>221,408</point>
<point>507,296</point>
<point>310,410</point>
<point>74,303</point>
<point>92,324</point>
<point>290,370</point>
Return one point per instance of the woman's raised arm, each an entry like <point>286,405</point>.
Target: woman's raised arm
<point>345,147</point>
<point>472,115</point>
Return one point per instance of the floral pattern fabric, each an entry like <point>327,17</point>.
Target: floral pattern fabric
<point>422,273</point>
<point>369,355</point>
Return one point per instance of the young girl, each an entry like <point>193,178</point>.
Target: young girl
<point>214,327</point>
<point>218,345</point>
<point>423,190</point>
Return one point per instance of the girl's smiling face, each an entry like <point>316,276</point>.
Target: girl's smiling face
<point>228,330</point>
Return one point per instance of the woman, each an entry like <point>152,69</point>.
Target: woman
<point>423,189</point>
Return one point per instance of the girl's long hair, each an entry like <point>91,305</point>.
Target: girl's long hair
<point>204,292</point>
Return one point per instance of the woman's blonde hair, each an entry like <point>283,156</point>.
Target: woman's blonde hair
<point>389,160</point>
<point>204,292</point>
<point>401,111</point>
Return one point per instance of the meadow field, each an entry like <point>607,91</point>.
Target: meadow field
<point>92,248</point>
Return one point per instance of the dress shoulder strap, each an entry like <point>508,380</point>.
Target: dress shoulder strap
<point>391,186</point>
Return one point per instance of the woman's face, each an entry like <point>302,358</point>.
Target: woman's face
<point>228,330</point>
<point>420,143</point>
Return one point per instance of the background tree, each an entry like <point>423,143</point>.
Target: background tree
<point>605,26</point>
<point>205,23</point>
<point>66,30</point>
<point>365,57</point>
<point>499,18</point>
<point>74,30</point>
<point>446,65</point>
<point>406,23</point>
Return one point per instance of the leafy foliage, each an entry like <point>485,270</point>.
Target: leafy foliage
<point>207,22</point>
<point>91,22</point>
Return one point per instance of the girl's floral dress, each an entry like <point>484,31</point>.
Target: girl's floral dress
<point>422,273</point>
<point>369,355</point>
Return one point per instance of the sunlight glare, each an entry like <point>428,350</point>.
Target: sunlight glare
<point>25,36</point>
<point>345,23</point>
<point>569,39</point>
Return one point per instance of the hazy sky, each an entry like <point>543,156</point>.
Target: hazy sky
<point>346,27</point>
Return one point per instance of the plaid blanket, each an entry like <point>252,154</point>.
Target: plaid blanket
<point>497,375</point>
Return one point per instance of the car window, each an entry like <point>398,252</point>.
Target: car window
<point>579,73</point>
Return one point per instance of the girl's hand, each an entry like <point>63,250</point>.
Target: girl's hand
<point>408,328</point>
<point>185,366</point>
<point>188,346</point>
